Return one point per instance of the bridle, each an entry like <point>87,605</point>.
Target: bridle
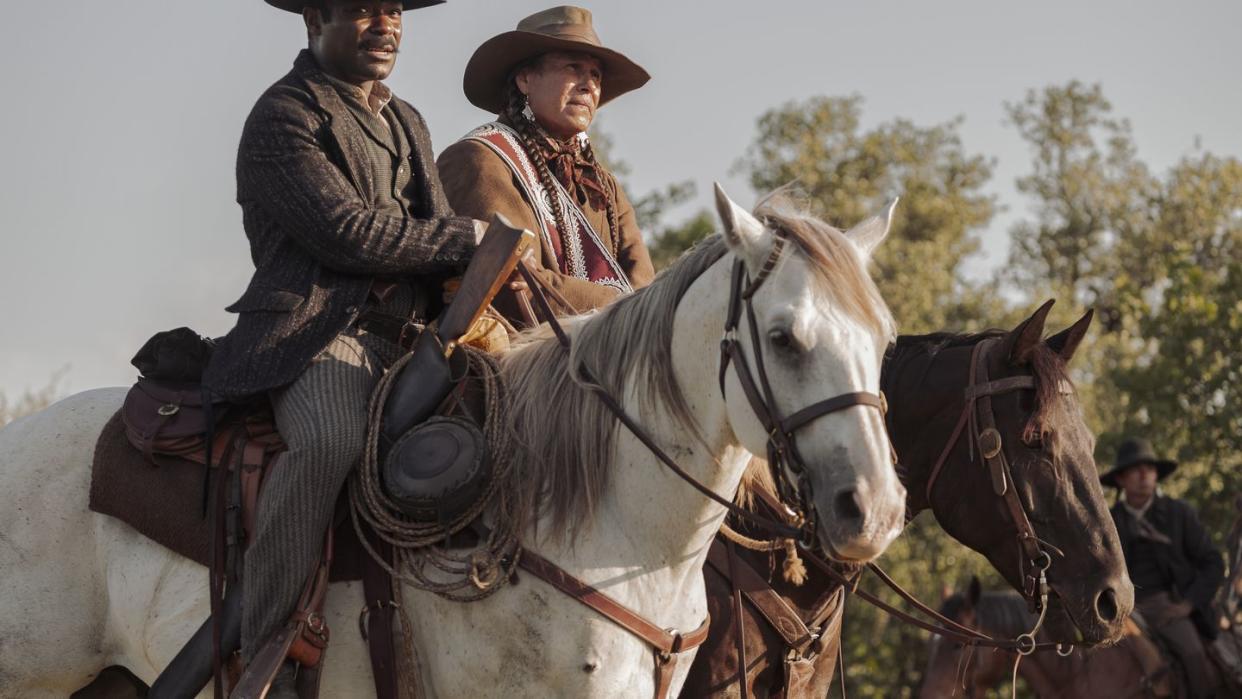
<point>977,413</point>
<point>782,448</point>
<point>668,644</point>
<point>1036,554</point>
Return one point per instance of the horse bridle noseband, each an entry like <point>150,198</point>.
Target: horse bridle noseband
<point>977,413</point>
<point>782,448</point>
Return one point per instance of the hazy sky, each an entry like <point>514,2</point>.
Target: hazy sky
<point>121,119</point>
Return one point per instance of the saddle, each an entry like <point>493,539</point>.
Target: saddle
<point>170,447</point>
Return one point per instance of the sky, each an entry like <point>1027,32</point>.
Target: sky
<point>120,124</point>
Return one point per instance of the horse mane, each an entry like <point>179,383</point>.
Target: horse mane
<point>565,437</point>
<point>1000,614</point>
<point>1055,420</point>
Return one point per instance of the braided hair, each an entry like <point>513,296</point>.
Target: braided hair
<point>529,134</point>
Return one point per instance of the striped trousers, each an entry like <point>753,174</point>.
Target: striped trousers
<point>322,417</point>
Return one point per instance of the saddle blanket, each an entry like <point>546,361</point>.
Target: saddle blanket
<point>164,502</point>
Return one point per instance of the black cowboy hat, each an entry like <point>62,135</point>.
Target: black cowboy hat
<point>564,28</point>
<point>1136,451</point>
<point>298,5</point>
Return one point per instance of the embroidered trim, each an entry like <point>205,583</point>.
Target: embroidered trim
<point>541,198</point>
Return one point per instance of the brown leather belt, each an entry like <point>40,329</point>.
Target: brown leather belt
<point>399,330</point>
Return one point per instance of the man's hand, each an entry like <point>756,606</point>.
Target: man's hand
<point>516,281</point>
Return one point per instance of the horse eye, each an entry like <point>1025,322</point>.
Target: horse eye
<point>780,339</point>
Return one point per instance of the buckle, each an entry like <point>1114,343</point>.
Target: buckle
<point>989,442</point>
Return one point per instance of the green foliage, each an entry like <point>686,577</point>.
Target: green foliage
<point>848,174</point>
<point>1160,257</point>
<point>665,242</point>
<point>669,243</point>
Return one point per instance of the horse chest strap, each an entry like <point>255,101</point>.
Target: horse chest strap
<point>666,644</point>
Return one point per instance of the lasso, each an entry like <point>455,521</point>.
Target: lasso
<point>421,557</point>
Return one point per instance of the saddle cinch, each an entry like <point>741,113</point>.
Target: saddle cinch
<point>186,472</point>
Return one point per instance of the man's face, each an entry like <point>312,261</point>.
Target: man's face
<point>564,90</point>
<point>1138,482</point>
<point>357,40</point>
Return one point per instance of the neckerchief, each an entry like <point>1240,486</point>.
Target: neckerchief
<point>576,174</point>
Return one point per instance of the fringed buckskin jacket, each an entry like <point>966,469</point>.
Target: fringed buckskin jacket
<point>317,241</point>
<point>479,183</point>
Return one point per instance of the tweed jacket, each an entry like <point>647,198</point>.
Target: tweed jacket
<point>479,183</point>
<point>1190,561</point>
<point>316,240</point>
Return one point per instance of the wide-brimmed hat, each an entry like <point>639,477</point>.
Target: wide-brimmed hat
<point>1136,451</point>
<point>564,28</point>
<point>298,5</point>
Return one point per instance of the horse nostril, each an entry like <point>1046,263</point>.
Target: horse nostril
<point>1106,605</point>
<point>849,504</point>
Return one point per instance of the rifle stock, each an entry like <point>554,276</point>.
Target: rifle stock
<point>489,269</point>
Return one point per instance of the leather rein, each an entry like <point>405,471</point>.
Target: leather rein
<point>781,447</point>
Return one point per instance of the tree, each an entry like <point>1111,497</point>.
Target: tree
<point>1158,256</point>
<point>665,242</point>
<point>848,174</point>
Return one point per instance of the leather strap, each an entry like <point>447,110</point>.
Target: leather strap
<point>665,644</point>
<point>783,619</point>
<point>378,631</point>
<point>739,624</point>
<point>831,405</point>
<point>396,329</point>
<point>613,406</point>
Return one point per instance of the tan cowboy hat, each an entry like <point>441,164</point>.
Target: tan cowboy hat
<point>297,5</point>
<point>564,28</point>
<point>1135,451</point>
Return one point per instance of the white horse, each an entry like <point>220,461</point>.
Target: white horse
<point>81,591</point>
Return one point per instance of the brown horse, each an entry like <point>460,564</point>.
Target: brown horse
<point>1131,668</point>
<point>1053,472</point>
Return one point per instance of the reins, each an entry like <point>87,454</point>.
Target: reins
<point>538,290</point>
<point>781,444</point>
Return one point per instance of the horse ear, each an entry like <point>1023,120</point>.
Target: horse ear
<point>974,591</point>
<point>743,233</point>
<point>1023,340</point>
<point>868,234</point>
<point>1066,342</point>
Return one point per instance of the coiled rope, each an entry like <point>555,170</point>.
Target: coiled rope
<point>421,556</point>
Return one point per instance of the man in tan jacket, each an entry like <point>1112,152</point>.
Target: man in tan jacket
<point>535,164</point>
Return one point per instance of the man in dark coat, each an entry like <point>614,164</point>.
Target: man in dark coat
<point>350,234</point>
<point>1174,566</point>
